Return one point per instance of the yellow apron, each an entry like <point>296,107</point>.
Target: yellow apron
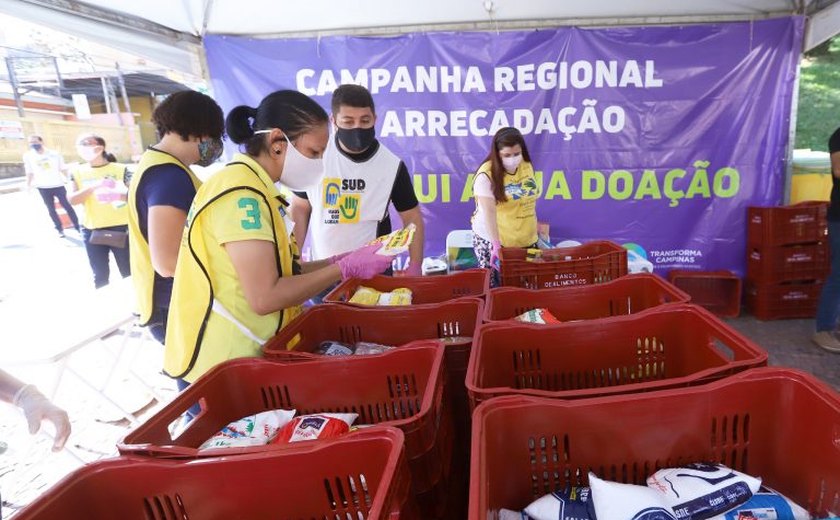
<point>210,320</point>
<point>142,271</point>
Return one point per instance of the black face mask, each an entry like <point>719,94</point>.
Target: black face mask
<point>356,139</point>
<point>36,146</point>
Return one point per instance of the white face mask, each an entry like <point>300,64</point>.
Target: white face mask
<point>87,153</point>
<point>511,163</point>
<point>299,171</point>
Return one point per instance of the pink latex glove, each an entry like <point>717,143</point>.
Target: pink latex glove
<point>335,258</point>
<point>494,254</point>
<point>363,263</point>
<point>414,269</point>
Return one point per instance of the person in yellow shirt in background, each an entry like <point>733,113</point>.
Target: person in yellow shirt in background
<point>99,183</point>
<point>239,278</point>
<point>506,192</point>
<point>190,126</point>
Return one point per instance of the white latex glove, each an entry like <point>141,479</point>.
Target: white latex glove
<point>36,407</point>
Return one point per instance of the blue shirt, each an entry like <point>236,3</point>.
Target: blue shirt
<point>163,185</point>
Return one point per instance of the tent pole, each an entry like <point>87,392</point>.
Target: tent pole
<point>205,69</point>
<point>13,80</point>
<point>105,95</point>
<point>121,81</point>
<point>794,112</point>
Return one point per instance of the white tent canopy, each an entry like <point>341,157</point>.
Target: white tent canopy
<point>169,31</point>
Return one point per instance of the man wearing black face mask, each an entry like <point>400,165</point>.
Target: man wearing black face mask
<point>362,179</point>
<point>46,171</point>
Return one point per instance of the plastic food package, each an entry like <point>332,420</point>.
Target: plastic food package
<point>538,316</point>
<point>453,340</point>
<point>507,514</point>
<point>364,348</point>
<point>365,296</point>
<point>533,255</point>
<point>315,426</point>
<point>616,501</point>
<point>543,235</point>
<point>574,503</point>
<point>766,504</point>
<point>253,430</point>
<point>334,348</point>
<point>368,296</point>
<point>401,296</point>
<point>395,243</point>
<point>700,491</point>
<point>432,266</point>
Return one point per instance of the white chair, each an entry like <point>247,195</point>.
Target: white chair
<point>459,250</point>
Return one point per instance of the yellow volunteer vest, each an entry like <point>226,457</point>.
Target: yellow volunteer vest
<point>102,213</point>
<point>142,271</point>
<point>517,217</point>
<point>210,320</point>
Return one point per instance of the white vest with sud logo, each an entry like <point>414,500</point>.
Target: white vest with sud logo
<point>350,201</point>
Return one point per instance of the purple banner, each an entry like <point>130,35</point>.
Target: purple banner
<point>655,137</point>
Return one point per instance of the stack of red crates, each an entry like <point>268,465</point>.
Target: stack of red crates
<point>787,260</point>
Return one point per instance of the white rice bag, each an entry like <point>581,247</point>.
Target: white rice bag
<point>253,430</point>
<point>573,503</point>
<point>616,501</point>
<point>767,504</point>
<point>700,491</point>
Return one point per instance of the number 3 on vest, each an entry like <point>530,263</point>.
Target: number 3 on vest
<point>252,212</point>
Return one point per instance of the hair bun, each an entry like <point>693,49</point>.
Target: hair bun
<point>238,125</point>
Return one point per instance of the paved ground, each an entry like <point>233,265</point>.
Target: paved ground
<point>43,275</point>
<point>42,278</point>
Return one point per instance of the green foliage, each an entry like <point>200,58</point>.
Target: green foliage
<point>819,98</point>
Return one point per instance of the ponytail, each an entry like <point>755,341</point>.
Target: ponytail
<point>289,110</point>
<point>239,125</point>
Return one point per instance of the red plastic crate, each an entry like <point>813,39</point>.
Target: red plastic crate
<point>783,300</point>
<point>361,473</point>
<point>775,264</point>
<point>717,291</point>
<point>796,224</point>
<point>391,326</point>
<point>403,388</point>
<point>591,263</point>
<point>625,295</point>
<point>673,346</point>
<point>385,325</point>
<point>781,425</point>
<point>424,289</point>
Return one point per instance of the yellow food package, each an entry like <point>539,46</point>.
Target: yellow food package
<point>395,243</point>
<point>401,296</point>
<point>366,296</point>
<point>533,255</point>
